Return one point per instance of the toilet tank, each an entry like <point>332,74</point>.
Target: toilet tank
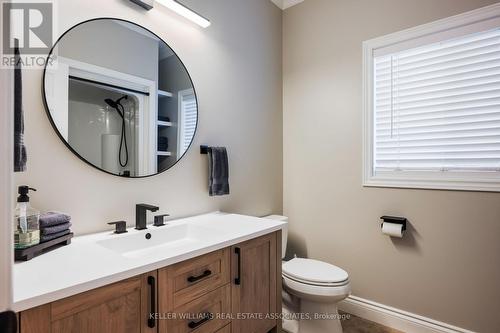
<point>284,231</point>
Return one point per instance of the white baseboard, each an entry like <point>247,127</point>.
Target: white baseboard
<point>395,318</point>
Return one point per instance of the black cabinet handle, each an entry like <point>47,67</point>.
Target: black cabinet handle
<point>237,280</point>
<point>8,321</point>
<point>206,317</point>
<point>199,277</point>
<point>151,321</point>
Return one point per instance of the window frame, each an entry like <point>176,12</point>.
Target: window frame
<point>442,180</point>
<point>180,121</point>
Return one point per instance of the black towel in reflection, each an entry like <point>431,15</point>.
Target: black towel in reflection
<point>218,171</point>
<point>163,143</point>
<point>19,147</point>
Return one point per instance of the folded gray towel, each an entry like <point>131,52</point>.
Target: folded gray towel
<point>53,218</point>
<point>46,238</point>
<point>218,171</point>
<point>55,229</point>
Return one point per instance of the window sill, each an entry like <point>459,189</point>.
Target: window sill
<point>490,185</point>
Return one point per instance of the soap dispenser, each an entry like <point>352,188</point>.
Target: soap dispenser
<point>26,225</point>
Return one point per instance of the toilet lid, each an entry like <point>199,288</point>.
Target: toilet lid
<point>315,271</point>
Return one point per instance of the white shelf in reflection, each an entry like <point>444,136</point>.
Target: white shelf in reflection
<point>163,153</point>
<point>163,93</point>
<point>164,123</point>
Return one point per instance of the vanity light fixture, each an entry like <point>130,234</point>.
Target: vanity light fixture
<point>184,11</point>
<point>177,7</point>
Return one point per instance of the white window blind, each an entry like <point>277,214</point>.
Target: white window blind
<point>188,119</point>
<point>437,107</point>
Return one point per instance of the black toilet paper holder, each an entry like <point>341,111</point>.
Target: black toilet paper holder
<point>395,220</point>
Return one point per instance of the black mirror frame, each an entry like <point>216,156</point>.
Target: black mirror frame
<point>47,109</point>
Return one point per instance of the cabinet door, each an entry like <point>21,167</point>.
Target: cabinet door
<point>122,307</point>
<point>254,285</point>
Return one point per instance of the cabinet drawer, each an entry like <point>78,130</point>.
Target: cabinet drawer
<point>186,281</point>
<point>207,314</point>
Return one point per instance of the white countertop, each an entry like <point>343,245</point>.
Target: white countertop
<point>85,264</point>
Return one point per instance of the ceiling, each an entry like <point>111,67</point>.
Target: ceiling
<point>284,4</point>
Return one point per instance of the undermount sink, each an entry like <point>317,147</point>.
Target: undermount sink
<point>156,240</point>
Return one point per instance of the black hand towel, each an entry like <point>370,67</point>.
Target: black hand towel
<point>19,148</point>
<point>218,171</point>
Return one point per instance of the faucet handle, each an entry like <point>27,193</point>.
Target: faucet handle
<point>120,226</point>
<point>159,221</point>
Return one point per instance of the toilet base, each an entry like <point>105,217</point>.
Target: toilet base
<point>323,317</point>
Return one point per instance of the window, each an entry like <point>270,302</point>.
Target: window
<point>432,105</point>
<point>188,116</point>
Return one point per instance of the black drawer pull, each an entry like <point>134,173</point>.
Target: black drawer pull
<point>151,320</point>
<point>199,277</point>
<point>237,280</point>
<point>206,317</point>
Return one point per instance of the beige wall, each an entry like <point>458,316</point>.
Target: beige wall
<point>236,68</point>
<point>448,266</point>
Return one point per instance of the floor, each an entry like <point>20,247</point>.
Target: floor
<point>353,324</point>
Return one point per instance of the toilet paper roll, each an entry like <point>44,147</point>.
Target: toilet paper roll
<point>393,229</point>
<point>109,150</point>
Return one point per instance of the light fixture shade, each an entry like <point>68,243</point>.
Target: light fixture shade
<point>185,12</point>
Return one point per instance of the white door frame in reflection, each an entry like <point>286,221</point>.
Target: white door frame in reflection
<point>147,104</point>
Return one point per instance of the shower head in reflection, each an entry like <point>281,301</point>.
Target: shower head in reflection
<point>123,140</point>
<point>117,105</point>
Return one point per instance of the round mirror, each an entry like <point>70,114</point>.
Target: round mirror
<point>120,98</point>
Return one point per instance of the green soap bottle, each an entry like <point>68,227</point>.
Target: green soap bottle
<point>26,225</point>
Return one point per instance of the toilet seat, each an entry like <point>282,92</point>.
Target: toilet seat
<point>317,284</point>
<point>316,292</point>
<point>315,273</point>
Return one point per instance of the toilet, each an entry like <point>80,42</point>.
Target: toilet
<point>312,289</point>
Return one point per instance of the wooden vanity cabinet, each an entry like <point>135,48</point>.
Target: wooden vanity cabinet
<point>233,290</point>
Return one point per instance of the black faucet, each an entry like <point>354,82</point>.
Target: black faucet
<point>140,215</point>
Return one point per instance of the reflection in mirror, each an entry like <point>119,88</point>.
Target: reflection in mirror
<point>120,98</point>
